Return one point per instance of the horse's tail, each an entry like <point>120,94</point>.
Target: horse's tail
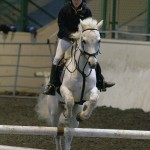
<point>42,108</point>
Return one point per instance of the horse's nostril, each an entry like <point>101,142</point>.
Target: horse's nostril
<point>92,66</point>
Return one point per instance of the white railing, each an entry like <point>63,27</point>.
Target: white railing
<point>5,147</point>
<point>17,53</point>
<point>79,132</point>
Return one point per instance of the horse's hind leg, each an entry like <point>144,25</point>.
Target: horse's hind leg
<point>55,109</point>
<point>58,143</point>
<point>74,124</point>
<point>68,140</point>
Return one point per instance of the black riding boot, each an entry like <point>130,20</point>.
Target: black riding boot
<point>101,84</point>
<point>50,88</point>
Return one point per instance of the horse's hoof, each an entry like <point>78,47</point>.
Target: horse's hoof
<point>78,118</point>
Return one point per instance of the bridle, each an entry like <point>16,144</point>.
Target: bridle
<point>83,53</point>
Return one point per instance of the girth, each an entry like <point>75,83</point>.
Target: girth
<point>78,103</point>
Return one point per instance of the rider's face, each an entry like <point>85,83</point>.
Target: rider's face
<point>76,3</point>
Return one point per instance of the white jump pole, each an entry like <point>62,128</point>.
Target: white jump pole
<point>80,132</point>
<point>4,147</point>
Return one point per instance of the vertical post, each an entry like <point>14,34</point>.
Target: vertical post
<point>23,14</point>
<point>148,20</point>
<point>17,70</point>
<point>113,17</point>
<point>104,16</point>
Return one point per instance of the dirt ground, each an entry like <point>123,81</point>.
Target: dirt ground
<point>22,112</point>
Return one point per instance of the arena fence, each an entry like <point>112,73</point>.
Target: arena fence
<point>79,132</point>
<point>5,147</point>
<point>20,61</point>
<point>18,64</point>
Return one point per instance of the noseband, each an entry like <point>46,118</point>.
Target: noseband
<point>90,55</point>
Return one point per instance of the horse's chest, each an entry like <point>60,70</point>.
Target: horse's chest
<point>79,84</point>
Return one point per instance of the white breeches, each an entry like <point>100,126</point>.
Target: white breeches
<point>62,47</point>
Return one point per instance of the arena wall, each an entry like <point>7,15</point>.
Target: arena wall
<point>125,62</point>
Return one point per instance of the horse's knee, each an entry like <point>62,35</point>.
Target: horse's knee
<point>70,102</point>
<point>93,102</point>
<point>93,99</point>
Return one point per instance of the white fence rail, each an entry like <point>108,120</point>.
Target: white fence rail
<point>5,147</point>
<point>19,62</point>
<point>79,132</point>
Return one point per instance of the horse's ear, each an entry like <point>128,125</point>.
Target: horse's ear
<point>81,23</point>
<point>99,25</point>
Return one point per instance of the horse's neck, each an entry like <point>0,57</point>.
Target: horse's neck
<point>80,61</point>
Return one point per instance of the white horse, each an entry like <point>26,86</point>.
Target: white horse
<point>78,84</point>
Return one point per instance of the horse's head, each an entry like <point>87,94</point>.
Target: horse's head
<point>89,39</point>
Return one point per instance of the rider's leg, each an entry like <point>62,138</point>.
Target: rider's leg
<point>101,83</point>
<point>62,46</point>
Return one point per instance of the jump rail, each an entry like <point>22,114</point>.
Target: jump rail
<point>4,147</point>
<point>79,132</point>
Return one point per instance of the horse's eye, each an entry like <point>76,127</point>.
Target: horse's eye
<point>99,41</point>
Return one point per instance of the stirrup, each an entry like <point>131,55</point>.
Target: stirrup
<point>49,90</point>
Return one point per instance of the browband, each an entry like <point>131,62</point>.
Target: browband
<point>89,29</point>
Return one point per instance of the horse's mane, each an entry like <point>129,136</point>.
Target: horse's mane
<point>85,24</point>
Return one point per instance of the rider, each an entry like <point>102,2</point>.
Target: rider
<point>68,20</point>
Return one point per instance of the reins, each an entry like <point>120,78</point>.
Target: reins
<point>84,76</point>
<point>66,66</point>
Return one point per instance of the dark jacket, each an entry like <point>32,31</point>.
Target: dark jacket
<point>69,18</point>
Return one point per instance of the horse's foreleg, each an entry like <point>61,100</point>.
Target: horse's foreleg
<point>69,102</point>
<point>90,106</point>
<point>68,140</point>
